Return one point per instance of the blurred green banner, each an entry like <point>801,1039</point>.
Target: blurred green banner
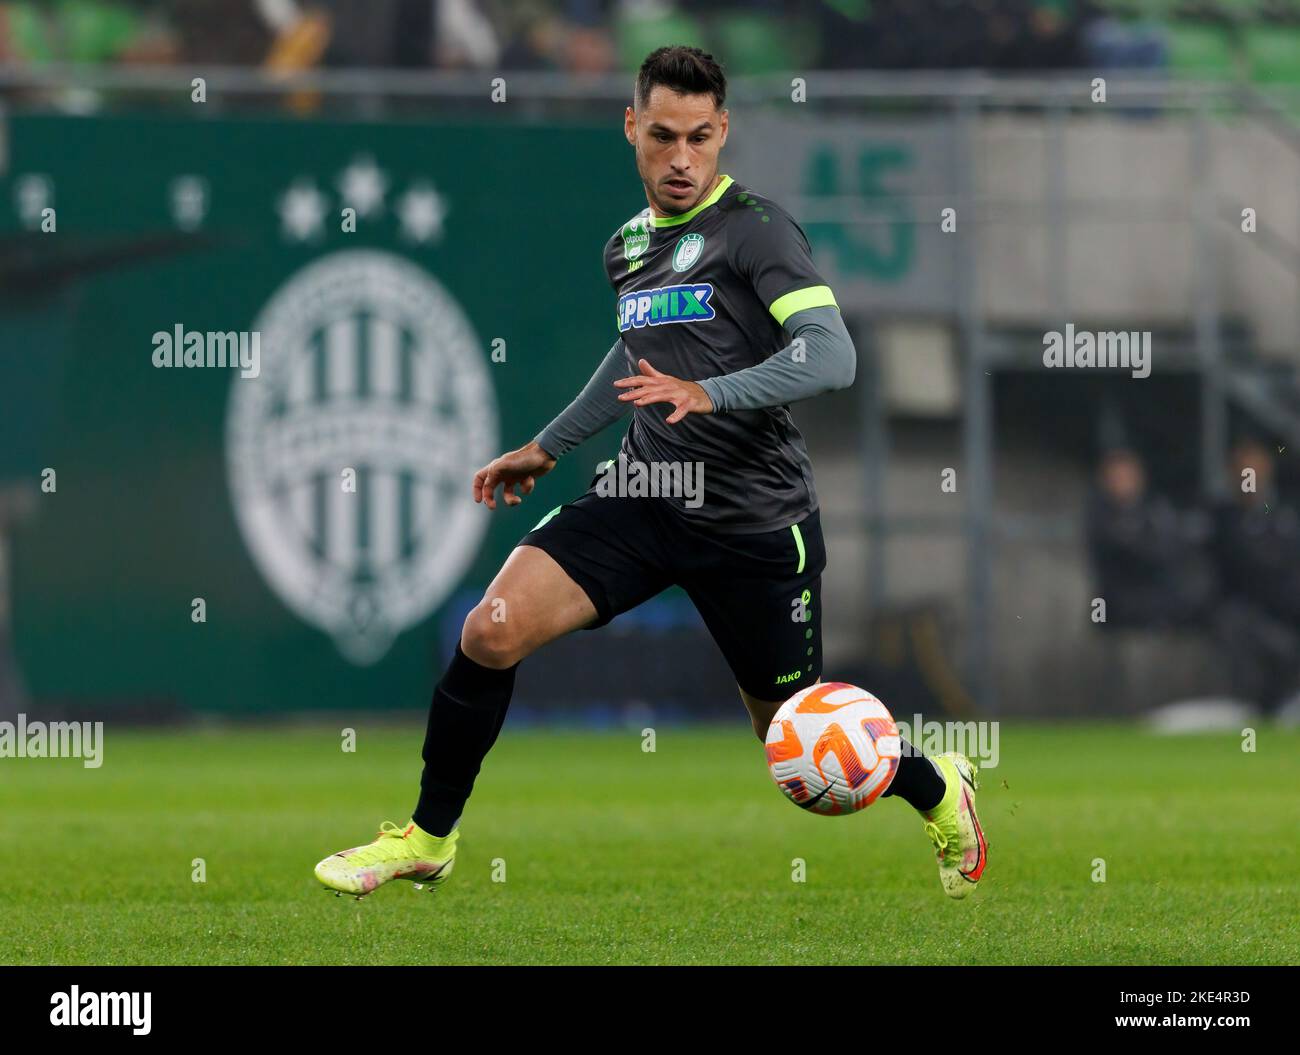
<point>320,511</point>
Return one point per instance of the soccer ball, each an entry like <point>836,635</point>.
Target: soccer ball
<point>833,748</point>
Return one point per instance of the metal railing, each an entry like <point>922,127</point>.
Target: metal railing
<point>1065,88</point>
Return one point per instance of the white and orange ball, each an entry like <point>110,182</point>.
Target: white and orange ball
<point>833,748</point>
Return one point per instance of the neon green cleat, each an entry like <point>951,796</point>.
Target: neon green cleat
<point>397,853</point>
<point>955,830</point>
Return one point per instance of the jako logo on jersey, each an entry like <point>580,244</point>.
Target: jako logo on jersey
<point>658,307</point>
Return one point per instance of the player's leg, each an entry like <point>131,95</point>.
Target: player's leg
<point>760,597</point>
<point>531,601</point>
<point>764,611</point>
<point>941,789</point>
<point>580,566</point>
<point>923,781</point>
<point>954,827</point>
<point>761,712</point>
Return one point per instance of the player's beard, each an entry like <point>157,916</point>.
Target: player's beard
<point>671,208</point>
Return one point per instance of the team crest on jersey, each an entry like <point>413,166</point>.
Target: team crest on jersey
<point>346,458</point>
<point>664,305</point>
<point>636,236</point>
<point>689,248</point>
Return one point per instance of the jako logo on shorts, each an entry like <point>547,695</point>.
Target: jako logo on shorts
<point>658,307</point>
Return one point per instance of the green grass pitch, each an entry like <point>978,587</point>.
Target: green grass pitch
<point>614,855</point>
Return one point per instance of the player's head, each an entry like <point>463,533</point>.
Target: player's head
<point>677,124</point>
<point>1251,453</point>
<point>1122,476</point>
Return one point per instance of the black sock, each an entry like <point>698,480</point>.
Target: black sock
<point>468,709</point>
<point>918,781</point>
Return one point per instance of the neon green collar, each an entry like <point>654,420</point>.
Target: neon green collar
<point>687,217</point>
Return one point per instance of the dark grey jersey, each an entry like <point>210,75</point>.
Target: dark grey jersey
<point>705,294</point>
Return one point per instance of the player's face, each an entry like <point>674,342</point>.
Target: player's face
<point>677,140</point>
<point>1124,478</point>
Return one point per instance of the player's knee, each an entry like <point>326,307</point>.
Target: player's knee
<point>762,719</point>
<point>761,713</point>
<point>489,639</point>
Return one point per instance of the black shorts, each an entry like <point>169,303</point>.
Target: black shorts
<point>759,595</point>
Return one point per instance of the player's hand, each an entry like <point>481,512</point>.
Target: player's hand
<point>519,468</point>
<point>651,386</point>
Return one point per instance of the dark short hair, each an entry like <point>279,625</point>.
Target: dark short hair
<point>684,70</point>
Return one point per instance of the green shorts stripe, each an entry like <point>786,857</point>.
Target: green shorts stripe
<point>547,517</point>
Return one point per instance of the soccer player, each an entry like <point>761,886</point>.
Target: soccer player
<point>723,322</point>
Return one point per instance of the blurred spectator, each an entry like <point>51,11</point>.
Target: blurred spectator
<point>951,34</point>
<point>589,49</point>
<point>464,35</point>
<point>1257,546</point>
<point>572,36</point>
<point>1111,43</point>
<point>223,32</point>
<point>577,36</point>
<point>412,34</point>
<point>380,33</point>
<point>1150,559</point>
<point>534,33</point>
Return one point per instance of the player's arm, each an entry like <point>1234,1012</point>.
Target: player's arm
<point>767,249</point>
<point>821,358</point>
<point>595,407</point>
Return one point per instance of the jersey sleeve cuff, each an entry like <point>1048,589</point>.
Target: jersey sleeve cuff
<point>550,444</point>
<point>801,299</point>
<point>714,391</point>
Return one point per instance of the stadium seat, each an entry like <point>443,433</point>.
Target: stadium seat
<point>1140,10</point>
<point>753,43</point>
<point>1242,11</point>
<point>1273,54</point>
<point>71,31</point>
<point>640,33</point>
<point>1202,49</point>
<point>1115,44</point>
